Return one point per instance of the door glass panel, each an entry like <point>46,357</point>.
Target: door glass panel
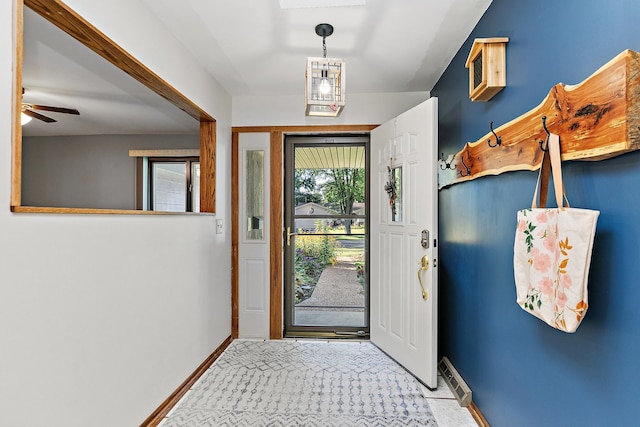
<point>169,187</point>
<point>327,289</point>
<point>254,203</point>
<point>329,280</point>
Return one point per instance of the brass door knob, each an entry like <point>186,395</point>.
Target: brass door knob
<point>424,266</point>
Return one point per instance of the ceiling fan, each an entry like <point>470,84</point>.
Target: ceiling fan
<point>28,110</point>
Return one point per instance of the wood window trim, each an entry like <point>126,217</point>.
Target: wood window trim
<point>277,135</point>
<point>165,153</point>
<point>65,18</point>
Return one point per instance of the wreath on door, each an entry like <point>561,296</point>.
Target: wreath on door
<point>391,187</point>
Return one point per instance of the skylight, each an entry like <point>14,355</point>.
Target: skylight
<point>297,4</point>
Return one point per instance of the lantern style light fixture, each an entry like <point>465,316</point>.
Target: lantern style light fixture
<point>324,93</point>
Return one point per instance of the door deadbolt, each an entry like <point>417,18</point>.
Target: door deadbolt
<point>424,239</point>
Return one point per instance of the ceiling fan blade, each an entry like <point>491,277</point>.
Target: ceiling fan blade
<point>38,116</point>
<point>55,109</point>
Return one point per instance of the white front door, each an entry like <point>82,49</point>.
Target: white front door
<point>404,289</point>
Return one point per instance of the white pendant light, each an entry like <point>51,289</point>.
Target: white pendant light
<point>325,81</point>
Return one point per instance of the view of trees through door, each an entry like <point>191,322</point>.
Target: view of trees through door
<point>326,244</point>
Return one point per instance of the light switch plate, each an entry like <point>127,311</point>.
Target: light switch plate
<point>219,224</point>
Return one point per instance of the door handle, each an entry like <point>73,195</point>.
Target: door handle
<point>289,234</point>
<point>424,266</point>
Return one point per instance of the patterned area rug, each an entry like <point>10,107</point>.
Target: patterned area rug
<point>303,383</point>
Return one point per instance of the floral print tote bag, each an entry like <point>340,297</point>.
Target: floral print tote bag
<point>552,252</point>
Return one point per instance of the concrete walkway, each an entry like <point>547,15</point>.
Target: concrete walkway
<point>337,286</point>
<point>337,300</point>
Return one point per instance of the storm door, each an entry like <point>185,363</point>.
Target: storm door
<point>326,236</point>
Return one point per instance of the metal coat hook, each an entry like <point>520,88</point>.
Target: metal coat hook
<point>465,166</point>
<point>446,165</point>
<point>543,143</point>
<point>498,139</point>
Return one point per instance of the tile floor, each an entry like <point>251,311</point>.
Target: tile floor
<point>443,404</point>
<point>445,407</point>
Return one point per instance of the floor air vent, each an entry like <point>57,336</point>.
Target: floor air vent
<point>460,389</point>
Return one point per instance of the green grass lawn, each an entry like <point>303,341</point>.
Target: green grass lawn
<point>341,230</point>
<point>355,253</point>
<point>350,237</point>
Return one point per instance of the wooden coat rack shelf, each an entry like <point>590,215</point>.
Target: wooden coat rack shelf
<point>596,119</point>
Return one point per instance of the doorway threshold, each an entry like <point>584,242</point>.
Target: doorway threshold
<point>350,335</point>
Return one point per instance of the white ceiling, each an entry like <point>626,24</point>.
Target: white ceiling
<point>253,48</point>
<point>59,71</point>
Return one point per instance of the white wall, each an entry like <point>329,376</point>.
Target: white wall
<point>88,171</point>
<point>102,317</point>
<point>361,108</point>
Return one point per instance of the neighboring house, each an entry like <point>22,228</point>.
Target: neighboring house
<point>359,208</point>
<point>311,208</point>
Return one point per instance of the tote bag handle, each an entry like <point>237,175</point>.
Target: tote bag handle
<point>542,185</point>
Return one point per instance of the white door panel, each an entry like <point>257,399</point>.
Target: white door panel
<point>253,290</point>
<point>403,324</point>
<point>253,239</point>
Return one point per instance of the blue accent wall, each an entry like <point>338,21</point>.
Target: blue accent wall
<point>523,372</point>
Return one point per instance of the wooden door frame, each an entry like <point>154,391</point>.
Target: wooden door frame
<point>277,135</point>
<point>70,22</point>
